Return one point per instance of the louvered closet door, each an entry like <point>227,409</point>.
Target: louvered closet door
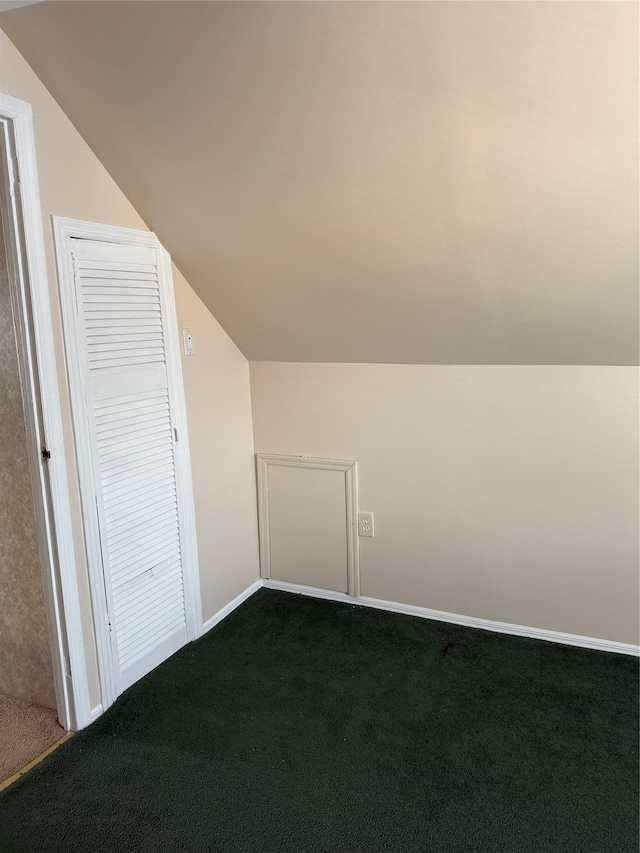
<point>129,412</point>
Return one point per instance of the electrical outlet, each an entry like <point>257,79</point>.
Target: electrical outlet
<point>365,524</point>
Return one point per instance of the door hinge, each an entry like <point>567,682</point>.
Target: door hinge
<point>75,282</point>
<point>46,454</point>
<point>107,619</point>
<point>15,189</point>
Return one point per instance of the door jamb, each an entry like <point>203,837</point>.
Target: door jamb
<point>20,199</point>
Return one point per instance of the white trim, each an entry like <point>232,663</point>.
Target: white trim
<point>52,493</point>
<point>231,606</point>
<point>184,482</point>
<point>349,467</point>
<point>64,230</point>
<point>457,619</point>
<point>101,231</point>
<point>96,712</point>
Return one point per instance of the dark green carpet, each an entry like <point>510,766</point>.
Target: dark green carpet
<point>303,725</point>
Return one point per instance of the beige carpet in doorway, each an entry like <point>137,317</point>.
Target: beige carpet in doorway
<point>26,730</point>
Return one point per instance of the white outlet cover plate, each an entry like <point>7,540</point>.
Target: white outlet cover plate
<point>365,524</point>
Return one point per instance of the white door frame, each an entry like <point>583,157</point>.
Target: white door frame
<point>64,231</point>
<point>20,199</point>
<point>349,468</point>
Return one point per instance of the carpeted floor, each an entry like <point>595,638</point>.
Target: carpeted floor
<point>26,730</point>
<point>306,726</point>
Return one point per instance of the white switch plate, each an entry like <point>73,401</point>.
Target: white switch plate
<point>365,524</point>
<point>187,340</point>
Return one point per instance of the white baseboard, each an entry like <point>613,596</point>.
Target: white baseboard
<point>456,619</point>
<point>231,606</point>
<point>420,612</point>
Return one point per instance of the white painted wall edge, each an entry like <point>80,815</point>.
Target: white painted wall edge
<point>231,606</point>
<point>457,619</point>
<point>96,712</point>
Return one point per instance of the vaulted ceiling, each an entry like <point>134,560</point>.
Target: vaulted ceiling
<point>427,182</point>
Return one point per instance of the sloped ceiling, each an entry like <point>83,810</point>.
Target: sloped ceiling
<point>421,182</point>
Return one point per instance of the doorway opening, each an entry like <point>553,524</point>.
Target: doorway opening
<point>28,704</point>
<point>42,661</point>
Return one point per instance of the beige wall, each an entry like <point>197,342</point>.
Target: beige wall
<point>508,493</point>
<point>73,183</point>
<point>216,381</point>
<point>25,656</point>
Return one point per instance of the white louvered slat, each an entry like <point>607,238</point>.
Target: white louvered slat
<point>111,280</point>
<point>104,325</point>
<point>131,653</point>
<point>151,561</point>
<point>129,541</point>
<point>152,341</point>
<point>134,338</point>
<point>135,449</point>
<point>108,316</point>
<point>121,469</point>
<point>132,593</point>
<point>133,418</point>
<point>117,350</point>
<point>109,311</point>
<point>140,559</point>
<point>163,595</point>
<point>124,361</point>
<point>123,506</point>
<point>118,300</point>
<point>127,339</point>
<point>150,541</point>
<point>118,291</point>
<point>114,266</point>
<point>152,550</point>
<point>105,408</point>
<point>124,287</point>
<point>135,617</point>
<point>131,645</point>
<point>149,621</point>
<point>131,487</point>
<point>129,526</point>
<point>137,632</point>
<point>133,518</point>
<point>122,450</point>
<point>139,433</point>
<point>133,482</point>
<point>115,276</point>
